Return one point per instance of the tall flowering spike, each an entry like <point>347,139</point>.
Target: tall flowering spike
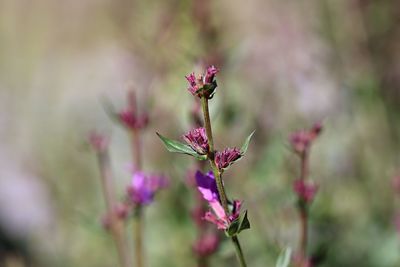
<point>143,187</point>
<point>204,85</point>
<point>305,190</point>
<point>301,140</point>
<point>197,140</point>
<point>227,157</point>
<point>208,188</point>
<point>99,141</point>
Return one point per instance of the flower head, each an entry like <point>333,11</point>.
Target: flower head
<point>197,140</point>
<point>143,187</point>
<point>208,188</point>
<point>210,74</point>
<point>131,120</point>
<point>203,85</point>
<point>206,245</point>
<point>227,157</point>
<point>301,140</point>
<point>305,190</point>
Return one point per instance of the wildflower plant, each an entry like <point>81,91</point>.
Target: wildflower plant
<point>208,238</point>
<point>305,189</point>
<point>199,143</point>
<point>141,190</point>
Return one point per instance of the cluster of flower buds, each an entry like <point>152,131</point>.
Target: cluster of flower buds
<point>203,85</point>
<point>305,190</point>
<point>207,186</point>
<point>197,140</point>
<point>131,120</point>
<point>206,245</point>
<point>120,212</point>
<point>143,187</point>
<point>227,157</point>
<point>301,140</point>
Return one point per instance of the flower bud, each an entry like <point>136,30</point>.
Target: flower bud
<point>197,140</point>
<point>204,85</point>
<point>206,245</point>
<point>227,157</point>
<point>305,190</point>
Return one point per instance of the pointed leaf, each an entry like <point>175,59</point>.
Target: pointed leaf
<point>238,225</point>
<point>245,145</point>
<point>284,258</point>
<point>244,222</point>
<point>110,110</point>
<point>178,147</point>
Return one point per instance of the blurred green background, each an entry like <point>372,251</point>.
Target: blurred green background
<point>284,65</point>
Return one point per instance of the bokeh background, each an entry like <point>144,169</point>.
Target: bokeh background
<point>284,65</point>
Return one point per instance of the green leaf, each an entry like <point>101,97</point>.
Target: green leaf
<point>178,147</point>
<point>238,225</point>
<point>244,222</point>
<point>246,143</point>
<point>284,258</point>
<point>110,110</point>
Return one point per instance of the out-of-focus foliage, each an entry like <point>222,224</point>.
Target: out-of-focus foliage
<point>284,65</point>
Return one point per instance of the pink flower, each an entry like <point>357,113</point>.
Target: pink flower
<point>130,120</point>
<point>204,85</point>
<point>301,140</point>
<point>305,190</point>
<point>227,157</point>
<point>197,140</point>
<point>208,188</point>
<point>143,187</point>
<point>206,245</point>
<point>210,74</point>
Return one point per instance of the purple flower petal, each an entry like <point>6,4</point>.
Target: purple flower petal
<point>207,186</point>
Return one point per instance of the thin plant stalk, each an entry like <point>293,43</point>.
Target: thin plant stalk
<point>218,178</point>
<point>116,226</point>
<point>138,223</point>
<point>303,212</point>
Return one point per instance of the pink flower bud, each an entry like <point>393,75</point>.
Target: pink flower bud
<point>210,74</point>
<point>204,85</point>
<point>225,158</point>
<point>305,190</point>
<point>206,245</point>
<point>130,120</point>
<point>197,140</point>
<point>301,140</point>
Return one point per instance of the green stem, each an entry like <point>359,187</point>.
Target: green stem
<point>239,252</point>
<point>218,178</point>
<point>217,174</point>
